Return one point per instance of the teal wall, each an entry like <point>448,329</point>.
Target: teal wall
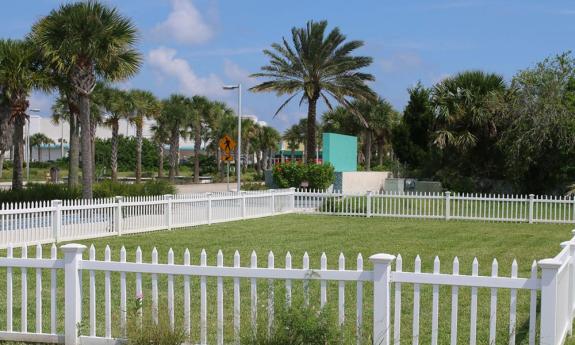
<point>341,151</point>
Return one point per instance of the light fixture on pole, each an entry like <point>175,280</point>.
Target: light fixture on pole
<point>239,146</point>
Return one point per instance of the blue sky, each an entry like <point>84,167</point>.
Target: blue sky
<point>195,46</point>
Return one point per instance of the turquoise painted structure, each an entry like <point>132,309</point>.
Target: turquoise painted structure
<point>341,151</point>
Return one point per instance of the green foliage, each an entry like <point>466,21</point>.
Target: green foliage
<point>142,330</point>
<point>40,192</point>
<point>318,176</point>
<point>298,325</point>
<point>208,164</point>
<point>126,153</point>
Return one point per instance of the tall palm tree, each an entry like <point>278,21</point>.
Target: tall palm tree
<point>175,116</point>
<point>6,128</point>
<point>268,140</point>
<point>221,122</point>
<point>18,76</point>
<point>200,109</point>
<point>118,105</point>
<point>316,66</point>
<point>87,41</point>
<point>160,136</point>
<point>146,106</point>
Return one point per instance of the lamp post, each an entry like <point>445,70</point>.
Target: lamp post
<point>239,145</point>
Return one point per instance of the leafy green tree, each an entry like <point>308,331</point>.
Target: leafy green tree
<point>539,141</point>
<point>413,135</point>
<point>316,65</point>
<point>87,41</point>
<point>145,106</point>
<point>18,76</point>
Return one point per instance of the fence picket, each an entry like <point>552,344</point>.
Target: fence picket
<point>359,302</point>
<point>397,308</point>
<point>38,291</point>
<point>171,311</point>
<point>155,287</point>
<point>512,306</point>
<point>473,317</point>
<point>9,310</point>
<point>108,295</point>
<point>53,291</point>
<point>493,306</point>
<point>237,300</point>
<point>288,281</point>
<point>341,292</point>
<point>323,283</point>
<point>454,303</point>
<point>187,309</point>
<point>435,305</point>
<point>123,297</point>
<point>416,304</point>
<point>220,300</point>
<point>203,302</point>
<point>92,257</point>
<point>271,297</point>
<point>24,283</point>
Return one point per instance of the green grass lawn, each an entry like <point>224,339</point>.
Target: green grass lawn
<point>332,235</point>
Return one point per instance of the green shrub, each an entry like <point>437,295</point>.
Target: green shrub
<point>317,176</point>
<point>106,189</point>
<point>298,325</point>
<point>253,186</point>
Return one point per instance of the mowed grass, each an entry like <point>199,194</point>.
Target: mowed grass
<point>314,235</point>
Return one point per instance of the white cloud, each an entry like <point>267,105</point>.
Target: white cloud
<point>400,62</point>
<point>236,74</point>
<point>42,102</point>
<point>164,61</point>
<point>185,24</point>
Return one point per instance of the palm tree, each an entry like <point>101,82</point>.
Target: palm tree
<point>160,136</point>
<point>66,109</point>
<point>200,109</point>
<point>221,122</point>
<point>37,140</point>
<point>463,115</point>
<point>6,128</point>
<point>146,106</point>
<point>175,116</point>
<point>87,41</point>
<point>18,77</point>
<point>118,105</point>
<point>316,66</point>
<point>268,142</point>
<point>293,138</point>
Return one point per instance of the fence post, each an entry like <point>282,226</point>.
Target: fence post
<point>531,196</point>
<point>168,210</point>
<point>368,206</point>
<point>72,292</point>
<point>549,301</point>
<point>381,301</point>
<point>571,286</point>
<point>273,201</point>
<point>209,195</point>
<point>447,205</point>
<point>243,194</point>
<point>292,199</point>
<point>118,214</point>
<point>56,219</point>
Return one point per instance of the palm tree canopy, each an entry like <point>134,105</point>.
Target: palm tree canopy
<point>146,105</point>
<point>88,36</point>
<point>462,110</point>
<point>316,65</point>
<point>117,104</point>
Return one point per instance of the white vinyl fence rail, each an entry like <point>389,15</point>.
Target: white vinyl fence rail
<point>55,221</point>
<point>554,286</point>
<point>463,206</point>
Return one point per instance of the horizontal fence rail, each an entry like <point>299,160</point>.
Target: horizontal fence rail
<point>69,220</point>
<point>422,205</point>
<point>90,298</point>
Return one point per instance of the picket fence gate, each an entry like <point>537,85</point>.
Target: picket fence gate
<point>423,205</point>
<point>555,286</point>
<point>70,220</point>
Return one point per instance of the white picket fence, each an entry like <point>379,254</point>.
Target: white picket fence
<point>47,222</point>
<point>463,206</point>
<point>555,286</point>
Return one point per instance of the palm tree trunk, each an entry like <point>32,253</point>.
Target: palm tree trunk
<point>311,139</point>
<point>292,155</point>
<point>49,152</point>
<point>93,151</point>
<point>86,146</point>
<point>173,154</point>
<point>139,139</point>
<point>367,152</point>
<point>73,151</point>
<point>114,158</point>
<point>161,160</point>
<point>2,152</point>
<point>197,146</point>
<point>380,152</point>
<point>18,142</point>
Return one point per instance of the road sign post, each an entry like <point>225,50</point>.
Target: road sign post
<point>227,145</point>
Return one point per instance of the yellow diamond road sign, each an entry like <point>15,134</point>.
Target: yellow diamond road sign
<point>227,144</point>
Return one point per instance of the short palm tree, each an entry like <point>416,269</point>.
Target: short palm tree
<point>18,76</point>
<point>160,137</point>
<point>146,106</point>
<point>316,65</point>
<point>38,140</point>
<point>87,41</point>
<point>293,140</point>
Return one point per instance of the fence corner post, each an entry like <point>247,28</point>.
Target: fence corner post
<point>549,301</point>
<point>571,292</point>
<point>531,197</point>
<point>273,205</point>
<point>292,200</point>
<point>447,205</point>
<point>72,296</point>
<point>168,210</point>
<point>209,196</point>
<point>243,195</point>
<point>381,297</point>
<point>118,214</point>
<point>57,219</point>
<point>368,205</point>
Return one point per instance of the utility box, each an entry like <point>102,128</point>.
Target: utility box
<point>340,151</point>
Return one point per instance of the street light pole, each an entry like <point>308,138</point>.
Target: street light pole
<point>239,144</point>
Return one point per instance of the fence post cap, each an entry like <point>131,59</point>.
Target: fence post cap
<point>447,193</point>
<point>168,196</point>
<point>119,198</point>
<point>382,258</point>
<point>59,202</point>
<point>549,263</point>
<point>369,192</point>
<point>73,247</point>
<point>531,196</point>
